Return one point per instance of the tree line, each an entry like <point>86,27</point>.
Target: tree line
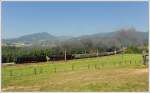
<point>12,53</point>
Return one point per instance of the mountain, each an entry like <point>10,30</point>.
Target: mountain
<point>64,38</point>
<point>122,37</point>
<point>33,39</point>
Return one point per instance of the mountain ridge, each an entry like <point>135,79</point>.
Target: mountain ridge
<point>124,36</point>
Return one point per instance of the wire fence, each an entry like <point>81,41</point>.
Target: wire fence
<point>13,74</point>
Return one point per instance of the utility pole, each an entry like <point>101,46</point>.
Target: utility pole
<point>122,52</point>
<point>97,53</point>
<point>65,55</point>
<point>47,58</point>
<point>85,51</point>
<point>115,51</point>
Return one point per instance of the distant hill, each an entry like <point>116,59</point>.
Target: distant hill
<point>33,39</point>
<point>122,37</point>
<point>63,38</point>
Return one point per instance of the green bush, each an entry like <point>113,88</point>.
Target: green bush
<point>133,49</point>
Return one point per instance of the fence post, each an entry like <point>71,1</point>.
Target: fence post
<point>72,67</point>
<point>95,66</point>
<point>88,66</point>
<point>120,62</point>
<point>41,70</point>
<point>35,72</point>
<point>55,69</point>
<point>130,61</point>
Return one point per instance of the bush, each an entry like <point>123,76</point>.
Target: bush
<point>133,49</point>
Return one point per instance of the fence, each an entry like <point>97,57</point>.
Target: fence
<point>72,67</point>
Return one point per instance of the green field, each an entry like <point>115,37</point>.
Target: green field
<point>108,73</point>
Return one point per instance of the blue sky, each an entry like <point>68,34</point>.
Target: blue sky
<point>71,18</point>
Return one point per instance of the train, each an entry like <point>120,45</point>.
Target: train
<point>44,58</point>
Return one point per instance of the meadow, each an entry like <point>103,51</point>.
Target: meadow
<point>109,73</point>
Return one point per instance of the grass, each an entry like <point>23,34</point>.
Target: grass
<point>108,73</point>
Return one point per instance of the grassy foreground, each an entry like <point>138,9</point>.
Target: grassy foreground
<point>109,73</point>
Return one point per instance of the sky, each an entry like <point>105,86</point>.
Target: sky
<point>71,18</point>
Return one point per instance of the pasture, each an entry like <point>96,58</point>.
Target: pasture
<point>108,73</point>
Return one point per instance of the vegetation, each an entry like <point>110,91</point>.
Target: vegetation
<point>133,49</point>
<point>11,54</point>
<point>108,73</point>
